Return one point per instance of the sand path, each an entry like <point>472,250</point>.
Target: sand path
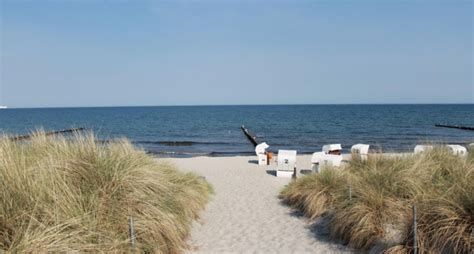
<point>245,214</point>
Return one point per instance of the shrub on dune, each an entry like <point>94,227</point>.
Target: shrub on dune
<point>383,193</point>
<point>373,215</point>
<point>314,194</point>
<point>64,194</point>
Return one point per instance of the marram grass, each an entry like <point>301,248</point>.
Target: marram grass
<point>379,214</point>
<point>63,194</point>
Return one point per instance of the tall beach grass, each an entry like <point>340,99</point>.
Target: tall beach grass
<point>76,194</point>
<point>378,216</point>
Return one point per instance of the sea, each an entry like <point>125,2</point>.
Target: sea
<point>186,131</point>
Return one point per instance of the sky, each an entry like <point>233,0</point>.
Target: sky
<point>76,53</point>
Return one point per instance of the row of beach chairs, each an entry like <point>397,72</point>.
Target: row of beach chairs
<point>330,156</point>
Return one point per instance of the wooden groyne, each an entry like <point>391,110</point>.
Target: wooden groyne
<point>250,137</point>
<point>50,133</point>
<point>455,127</point>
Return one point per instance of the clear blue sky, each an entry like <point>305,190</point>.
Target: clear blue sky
<point>103,53</point>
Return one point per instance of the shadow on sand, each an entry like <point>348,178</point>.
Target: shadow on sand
<point>272,172</point>
<point>319,229</point>
<point>253,161</point>
<point>306,171</point>
<point>301,172</point>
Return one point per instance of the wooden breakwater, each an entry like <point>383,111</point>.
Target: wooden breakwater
<point>455,127</point>
<point>249,136</point>
<point>49,133</point>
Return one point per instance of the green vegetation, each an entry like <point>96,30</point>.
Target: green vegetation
<point>379,214</point>
<point>76,194</point>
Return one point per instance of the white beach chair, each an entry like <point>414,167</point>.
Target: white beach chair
<point>361,151</point>
<point>260,150</point>
<point>320,159</point>
<point>315,160</point>
<point>422,148</point>
<point>470,148</point>
<point>458,150</point>
<point>332,148</point>
<point>286,163</point>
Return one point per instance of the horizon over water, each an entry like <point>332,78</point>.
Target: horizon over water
<point>193,130</point>
<point>239,105</point>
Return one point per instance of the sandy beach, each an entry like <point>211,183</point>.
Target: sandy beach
<point>245,214</point>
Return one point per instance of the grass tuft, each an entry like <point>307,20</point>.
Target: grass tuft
<point>62,194</point>
<point>384,189</point>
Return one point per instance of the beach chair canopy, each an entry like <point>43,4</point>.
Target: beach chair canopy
<point>286,160</point>
<point>422,148</point>
<point>259,149</point>
<point>457,149</point>
<point>360,149</point>
<point>332,147</point>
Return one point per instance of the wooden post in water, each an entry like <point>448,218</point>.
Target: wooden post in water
<point>249,136</point>
<point>19,138</point>
<point>455,127</point>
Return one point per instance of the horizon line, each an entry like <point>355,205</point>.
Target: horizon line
<point>230,105</point>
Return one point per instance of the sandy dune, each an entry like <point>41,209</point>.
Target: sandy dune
<point>246,216</point>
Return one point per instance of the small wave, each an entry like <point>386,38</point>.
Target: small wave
<point>217,154</point>
<point>173,154</point>
<point>181,143</point>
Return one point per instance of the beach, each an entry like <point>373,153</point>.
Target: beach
<point>245,214</point>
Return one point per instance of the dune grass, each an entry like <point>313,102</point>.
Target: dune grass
<point>384,190</point>
<point>76,194</point>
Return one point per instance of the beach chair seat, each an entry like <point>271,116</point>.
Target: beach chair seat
<point>260,150</point>
<point>286,163</point>
<point>360,151</point>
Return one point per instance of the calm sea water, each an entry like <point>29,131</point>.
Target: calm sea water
<point>215,130</point>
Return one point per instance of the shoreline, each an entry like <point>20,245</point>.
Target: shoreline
<point>346,156</point>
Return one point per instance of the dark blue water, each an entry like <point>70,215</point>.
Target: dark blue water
<point>215,130</point>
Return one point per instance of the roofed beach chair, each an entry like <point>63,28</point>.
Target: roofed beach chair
<point>332,149</point>
<point>458,150</point>
<point>331,155</point>
<point>260,150</point>
<point>422,148</point>
<point>360,151</point>
<point>320,160</point>
<point>286,163</point>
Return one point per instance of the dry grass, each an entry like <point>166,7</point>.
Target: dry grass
<point>316,193</point>
<point>383,192</point>
<point>64,194</point>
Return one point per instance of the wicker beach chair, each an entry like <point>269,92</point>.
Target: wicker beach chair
<point>260,150</point>
<point>320,160</point>
<point>458,150</point>
<point>286,163</point>
<point>422,148</point>
<point>360,151</point>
